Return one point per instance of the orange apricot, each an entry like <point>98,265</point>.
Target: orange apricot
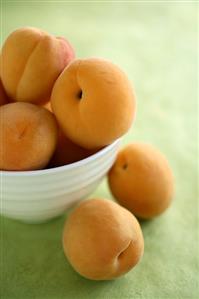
<point>68,152</point>
<point>102,240</point>
<point>94,102</point>
<point>141,180</point>
<point>31,62</point>
<point>28,136</point>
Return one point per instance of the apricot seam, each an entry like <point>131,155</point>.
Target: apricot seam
<point>26,63</point>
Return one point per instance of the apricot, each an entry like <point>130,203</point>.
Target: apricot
<point>141,180</point>
<point>94,102</point>
<point>68,152</point>
<point>102,240</point>
<point>31,62</point>
<point>28,136</point>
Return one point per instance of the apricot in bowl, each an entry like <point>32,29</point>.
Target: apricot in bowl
<point>28,136</point>
<point>94,102</point>
<point>31,61</point>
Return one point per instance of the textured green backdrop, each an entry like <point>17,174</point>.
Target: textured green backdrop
<point>156,44</point>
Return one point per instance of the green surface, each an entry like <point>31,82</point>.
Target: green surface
<point>156,44</point>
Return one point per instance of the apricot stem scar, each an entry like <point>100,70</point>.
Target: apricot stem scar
<point>79,95</point>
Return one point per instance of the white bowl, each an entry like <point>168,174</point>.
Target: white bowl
<point>39,195</point>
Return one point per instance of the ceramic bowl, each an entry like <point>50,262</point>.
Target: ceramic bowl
<point>40,195</point>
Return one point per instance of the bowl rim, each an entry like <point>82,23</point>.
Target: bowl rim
<point>70,166</point>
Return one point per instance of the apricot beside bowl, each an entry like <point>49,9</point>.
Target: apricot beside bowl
<point>40,195</point>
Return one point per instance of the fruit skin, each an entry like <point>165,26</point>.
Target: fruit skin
<point>68,152</point>
<point>47,106</point>
<point>3,96</point>
<point>94,102</point>
<point>28,136</point>
<point>102,240</point>
<point>31,62</point>
<point>141,180</point>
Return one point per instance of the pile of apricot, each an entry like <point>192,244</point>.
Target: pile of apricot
<point>90,102</point>
<point>57,110</point>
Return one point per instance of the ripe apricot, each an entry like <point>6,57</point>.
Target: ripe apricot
<point>141,180</point>
<point>31,62</point>
<point>102,240</point>
<point>28,136</point>
<point>68,152</point>
<point>94,102</point>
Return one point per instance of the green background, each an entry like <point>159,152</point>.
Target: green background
<point>156,44</point>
